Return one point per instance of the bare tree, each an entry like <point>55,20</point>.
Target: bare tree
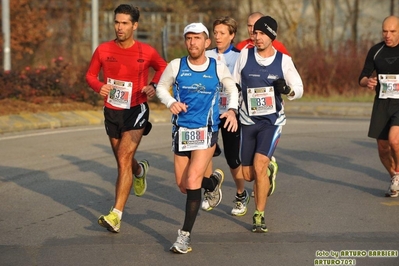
<point>317,8</point>
<point>353,14</point>
<point>392,7</point>
<point>331,22</point>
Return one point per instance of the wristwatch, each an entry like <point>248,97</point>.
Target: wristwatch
<point>154,85</point>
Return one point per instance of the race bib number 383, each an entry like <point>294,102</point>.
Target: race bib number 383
<point>261,101</point>
<point>121,93</point>
<point>193,139</point>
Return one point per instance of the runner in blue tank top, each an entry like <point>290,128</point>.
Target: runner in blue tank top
<point>202,97</point>
<point>196,83</point>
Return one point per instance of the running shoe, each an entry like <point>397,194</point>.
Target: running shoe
<point>392,193</point>
<point>259,225</point>
<point>240,208</point>
<point>213,198</point>
<point>395,182</point>
<point>140,183</point>
<point>205,204</point>
<point>182,244</point>
<point>110,221</point>
<point>273,168</point>
<point>393,190</point>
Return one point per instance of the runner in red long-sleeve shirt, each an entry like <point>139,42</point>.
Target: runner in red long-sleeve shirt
<point>249,43</point>
<point>125,65</point>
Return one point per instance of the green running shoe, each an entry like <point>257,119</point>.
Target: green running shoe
<point>273,168</point>
<point>111,222</point>
<point>140,183</point>
<point>259,225</point>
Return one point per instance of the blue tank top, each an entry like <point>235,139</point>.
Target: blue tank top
<point>254,75</point>
<point>200,91</point>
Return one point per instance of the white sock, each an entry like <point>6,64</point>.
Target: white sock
<point>118,212</point>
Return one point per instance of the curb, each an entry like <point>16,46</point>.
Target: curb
<point>33,121</point>
<point>329,109</point>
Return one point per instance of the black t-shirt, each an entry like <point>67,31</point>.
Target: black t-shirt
<point>383,60</point>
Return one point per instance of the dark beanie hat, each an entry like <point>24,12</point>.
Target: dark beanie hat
<point>267,25</point>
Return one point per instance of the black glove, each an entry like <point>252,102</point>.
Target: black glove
<point>280,86</point>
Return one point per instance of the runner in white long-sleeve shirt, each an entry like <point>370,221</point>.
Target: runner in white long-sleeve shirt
<point>264,75</point>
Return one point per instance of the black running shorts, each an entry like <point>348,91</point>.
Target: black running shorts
<point>118,121</point>
<point>384,115</point>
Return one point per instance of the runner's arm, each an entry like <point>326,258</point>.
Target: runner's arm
<point>292,78</point>
<point>159,65</point>
<point>165,83</point>
<point>93,71</point>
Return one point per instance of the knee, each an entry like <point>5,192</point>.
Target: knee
<point>180,184</point>
<point>383,148</point>
<point>247,173</point>
<point>248,178</point>
<point>394,143</point>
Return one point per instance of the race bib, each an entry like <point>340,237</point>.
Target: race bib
<point>223,102</point>
<point>121,93</point>
<point>261,101</point>
<point>223,99</point>
<point>389,86</point>
<point>193,139</point>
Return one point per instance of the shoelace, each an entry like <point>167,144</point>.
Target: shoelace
<point>208,195</point>
<point>182,239</point>
<point>239,205</point>
<point>258,220</point>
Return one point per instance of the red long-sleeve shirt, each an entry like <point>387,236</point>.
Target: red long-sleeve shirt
<point>131,64</point>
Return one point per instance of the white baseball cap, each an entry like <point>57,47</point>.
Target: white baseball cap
<point>195,28</point>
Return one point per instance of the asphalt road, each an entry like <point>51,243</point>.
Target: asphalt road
<point>329,198</point>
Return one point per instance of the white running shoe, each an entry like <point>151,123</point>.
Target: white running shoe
<point>395,182</point>
<point>391,193</point>
<point>213,198</point>
<point>182,244</point>
<point>393,190</point>
<point>240,208</point>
